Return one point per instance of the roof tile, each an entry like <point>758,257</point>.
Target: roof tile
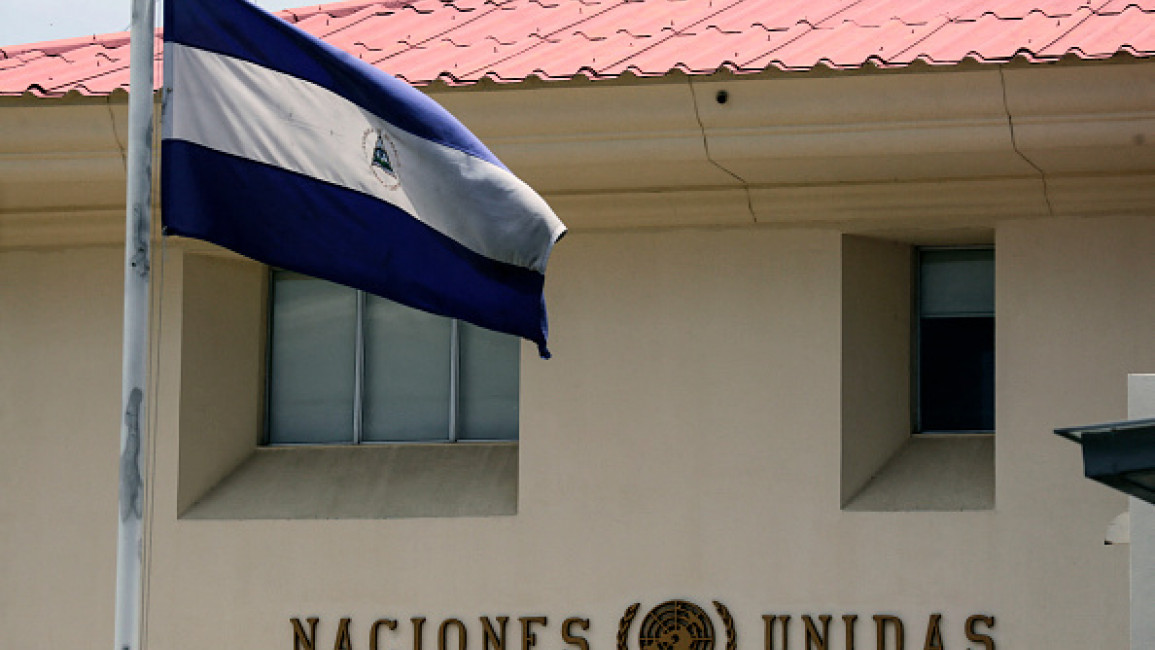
<point>465,41</point>
<point>1132,29</point>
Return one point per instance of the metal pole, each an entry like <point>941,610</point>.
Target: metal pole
<point>138,229</point>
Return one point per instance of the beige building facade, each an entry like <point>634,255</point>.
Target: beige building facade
<point>726,420</point>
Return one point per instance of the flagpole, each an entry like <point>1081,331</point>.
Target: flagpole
<point>138,229</point>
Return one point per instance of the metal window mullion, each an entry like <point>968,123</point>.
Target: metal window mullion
<point>269,315</point>
<point>359,369</point>
<point>916,343</point>
<point>454,377</point>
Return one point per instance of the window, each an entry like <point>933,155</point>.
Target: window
<point>347,367</point>
<point>955,340</point>
<point>917,356</point>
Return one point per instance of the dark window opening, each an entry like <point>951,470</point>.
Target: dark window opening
<point>955,340</point>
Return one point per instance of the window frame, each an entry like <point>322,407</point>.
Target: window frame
<point>453,433</point>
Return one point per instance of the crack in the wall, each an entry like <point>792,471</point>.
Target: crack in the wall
<point>709,157</point>
<point>1015,145</point>
<point>120,144</point>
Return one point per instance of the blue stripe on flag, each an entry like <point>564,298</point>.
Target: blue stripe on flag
<point>286,219</point>
<point>240,30</point>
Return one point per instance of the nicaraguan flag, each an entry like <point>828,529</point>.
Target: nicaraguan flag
<point>287,150</point>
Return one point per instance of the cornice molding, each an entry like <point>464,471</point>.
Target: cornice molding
<point>933,151</point>
<point>61,229</point>
<point>940,211</point>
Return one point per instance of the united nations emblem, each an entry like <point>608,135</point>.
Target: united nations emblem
<point>676,625</point>
<point>381,154</point>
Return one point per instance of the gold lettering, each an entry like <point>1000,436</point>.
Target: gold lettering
<point>880,621</point>
<point>418,623</point>
<point>933,634</point>
<point>770,619</point>
<point>528,638</point>
<point>301,640</point>
<point>492,639</point>
<point>984,639</point>
<point>571,638</point>
<point>342,642</point>
<point>387,622</point>
<point>443,631</point>
<point>848,620</point>
<point>813,638</point>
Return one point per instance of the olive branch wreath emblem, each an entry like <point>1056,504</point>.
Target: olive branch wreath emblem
<point>632,612</point>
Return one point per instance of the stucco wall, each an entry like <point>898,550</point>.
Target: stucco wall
<point>1074,304</point>
<point>876,358</point>
<point>60,313</point>
<point>221,329</point>
<point>685,441</point>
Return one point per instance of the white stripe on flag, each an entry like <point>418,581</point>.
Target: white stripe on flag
<point>246,110</point>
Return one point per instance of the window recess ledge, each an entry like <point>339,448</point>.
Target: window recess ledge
<point>367,482</point>
<point>933,473</point>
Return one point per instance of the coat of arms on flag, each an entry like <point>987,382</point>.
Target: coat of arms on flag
<point>381,156</point>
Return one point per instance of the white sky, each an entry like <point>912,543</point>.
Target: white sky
<point>31,21</point>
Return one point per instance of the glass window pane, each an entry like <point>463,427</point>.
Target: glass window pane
<point>957,374</point>
<point>489,383</point>
<point>407,373</point>
<point>312,356</point>
<point>958,282</point>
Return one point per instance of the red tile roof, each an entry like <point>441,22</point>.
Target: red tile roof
<point>464,41</point>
